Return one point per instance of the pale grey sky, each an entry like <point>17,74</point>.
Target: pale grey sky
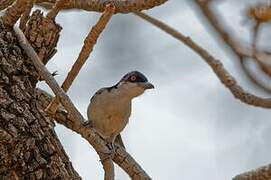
<point>190,127</point>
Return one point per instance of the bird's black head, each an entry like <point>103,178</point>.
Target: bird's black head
<point>134,77</point>
<point>134,83</point>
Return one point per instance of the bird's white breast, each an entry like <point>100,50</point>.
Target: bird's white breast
<point>109,112</point>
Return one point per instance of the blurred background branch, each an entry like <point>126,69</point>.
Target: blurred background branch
<point>242,51</point>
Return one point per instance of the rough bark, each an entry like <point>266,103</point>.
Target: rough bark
<point>29,147</point>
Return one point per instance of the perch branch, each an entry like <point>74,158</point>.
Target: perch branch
<point>77,118</point>
<point>122,6</point>
<point>224,76</point>
<point>240,49</point>
<point>87,48</point>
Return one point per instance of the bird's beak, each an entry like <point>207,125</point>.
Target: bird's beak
<point>148,85</point>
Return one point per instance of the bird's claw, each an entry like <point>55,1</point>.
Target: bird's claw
<point>55,73</point>
<point>110,154</point>
<point>111,148</point>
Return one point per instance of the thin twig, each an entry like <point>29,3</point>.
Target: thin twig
<point>225,77</point>
<point>237,47</point>
<point>87,48</point>
<point>243,53</point>
<point>122,6</point>
<point>255,35</point>
<point>78,119</point>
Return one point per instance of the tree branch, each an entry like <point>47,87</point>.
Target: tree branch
<point>241,51</point>
<point>87,48</point>
<point>263,173</point>
<point>225,77</point>
<point>122,6</point>
<point>77,118</point>
<point>59,4</point>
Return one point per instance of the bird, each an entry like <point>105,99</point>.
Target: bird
<point>110,107</point>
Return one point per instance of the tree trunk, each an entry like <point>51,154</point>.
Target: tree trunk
<point>29,147</point>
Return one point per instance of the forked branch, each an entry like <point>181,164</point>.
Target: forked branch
<point>77,118</point>
<point>60,4</point>
<point>242,51</point>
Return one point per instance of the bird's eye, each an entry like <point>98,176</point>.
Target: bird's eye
<point>133,78</point>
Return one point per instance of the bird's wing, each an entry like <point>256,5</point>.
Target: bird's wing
<point>92,101</point>
<point>119,141</point>
<point>96,94</point>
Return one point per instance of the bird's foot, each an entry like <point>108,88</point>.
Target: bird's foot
<point>110,154</point>
<point>111,148</point>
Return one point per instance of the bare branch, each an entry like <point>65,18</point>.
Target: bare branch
<point>122,6</point>
<point>43,34</point>
<point>224,76</point>
<point>87,48</point>
<point>262,173</point>
<point>98,144</point>
<point>238,49</point>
